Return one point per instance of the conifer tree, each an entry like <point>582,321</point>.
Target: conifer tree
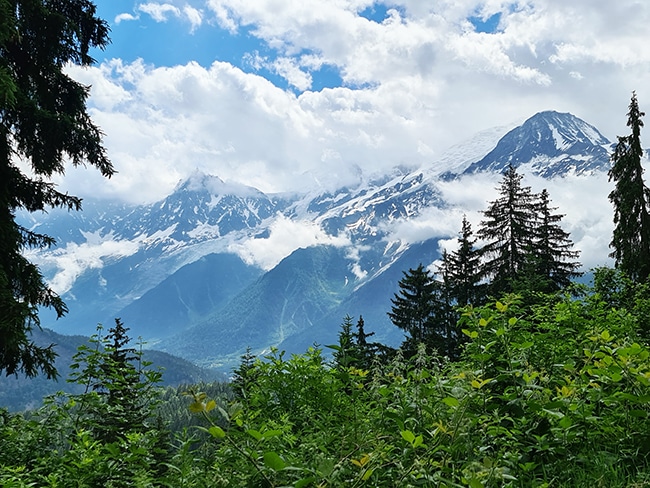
<point>421,309</point>
<point>345,353</point>
<point>43,124</point>
<point>463,267</point>
<point>631,200</point>
<point>365,350</point>
<point>508,230</point>
<point>553,256</point>
<point>121,393</point>
<point>445,311</point>
<point>244,375</point>
<point>413,307</point>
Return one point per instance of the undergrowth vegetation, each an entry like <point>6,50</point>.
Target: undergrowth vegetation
<point>552,394</point>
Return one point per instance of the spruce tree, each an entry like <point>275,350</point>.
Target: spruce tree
<point>345,352</point>
<point>631,200</point>
<point>120,392</point>
<point>43,125</point>
<point>413,307</point>
<point>245,374</point>
<point>421,309</point>
<point>365,350</point>
<point>463,267</point>
<point>445,312</point>
<point>508,230</point>
<point>553,256</point>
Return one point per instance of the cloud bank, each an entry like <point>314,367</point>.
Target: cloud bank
<point>415,78</point>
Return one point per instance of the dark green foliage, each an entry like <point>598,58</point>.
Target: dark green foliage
<point>19,393</point>
<point>106,436</point>
<point>616,290</point>
<point>527,252</point>
<point>414,306</point>
<point>243,376</point>
<point>422,309</point>
<point>353,349</point>
<point>550,263</point>
<point>120,393</point>
<point>550,395</point>
<point>345,354</point>
<point>43,121</point>
<point>508,230</point>
<point>463,269</point>
<point>554,257</point>
<point>366,351</point>
<point>631,199</point>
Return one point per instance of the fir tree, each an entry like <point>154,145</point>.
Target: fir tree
<point>508,230</point>
<point>445,311</point>
<point>421,311</point>
<point>244,375</point>
<point>43,124</point>
<point>345,353</point>
<point>553,256</point>
<point>120,393</point>
<point>366,351</point>
<point>413,307</point>
<point>631,201</point>
<point>463,267</point>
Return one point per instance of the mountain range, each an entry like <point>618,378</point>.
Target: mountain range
<point>217,267</point>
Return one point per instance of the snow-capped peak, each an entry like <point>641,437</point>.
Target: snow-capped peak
<point>552,143</point>
<point>199,181</point>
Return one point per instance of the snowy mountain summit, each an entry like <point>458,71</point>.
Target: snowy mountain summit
<point>549,144</point>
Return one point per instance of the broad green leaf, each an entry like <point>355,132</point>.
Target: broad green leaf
<point>367,474</point>
<point>512,321</point>
<point>616,376</point>
<point>217,432</point>
<point>210,405</point>
<point>565,422</point>
<point>197,407</point>
<point>476,483</point>
<point>271,433</point>
<point>501,307</point>
<point>554,413</point>
<point>273,461</point>
<point>451,401</point>
<point>408,436</point>
<point>255,434</point>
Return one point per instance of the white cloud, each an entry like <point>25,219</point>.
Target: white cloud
<point>194,16</point>
<point>289,70</point>
<point>285,236</point>
<point>125,17</point>
<point>430,224</point>
<point>415,84</point>
<point>73,260</point>
<point>159,11</point>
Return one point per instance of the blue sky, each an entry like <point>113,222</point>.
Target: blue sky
<point>294,94</point>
